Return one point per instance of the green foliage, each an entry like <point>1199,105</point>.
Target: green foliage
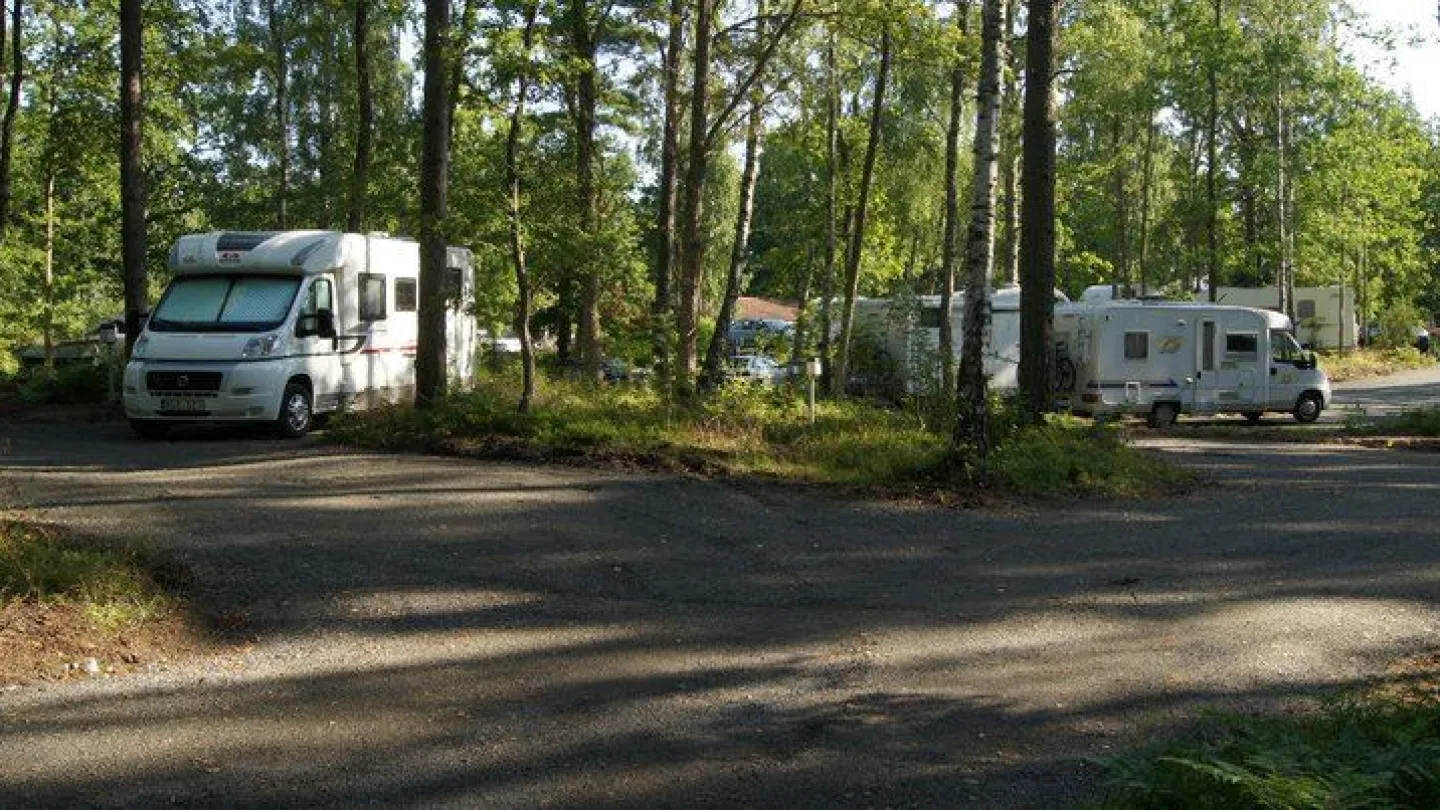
<point>1363,752</point>
<point>115,588</point>
<point>1397,325</point>
<point>1067,456</point>
<point>1361,363</point>
<point>71,384</point>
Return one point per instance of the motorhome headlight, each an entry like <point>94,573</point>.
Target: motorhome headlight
<point>142,346</point>
<point>265,346</point>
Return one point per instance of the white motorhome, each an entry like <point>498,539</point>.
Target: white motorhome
<point>909,333</point>
<point>1162,359</point>
<point>1325,316</point>
<point>276,328</point>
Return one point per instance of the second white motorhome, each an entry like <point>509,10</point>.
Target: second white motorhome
<point>275,328</point>
<point>1162,359</point>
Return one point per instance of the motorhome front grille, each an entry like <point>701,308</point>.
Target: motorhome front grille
<point>192,382</point>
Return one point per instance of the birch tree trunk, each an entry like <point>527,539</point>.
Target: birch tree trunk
<point>952,209</point>
<point>972,424</point>
<point>832,206</point>
<point>855,253</point>
<point>364,122</point>
<point>1212,157</point>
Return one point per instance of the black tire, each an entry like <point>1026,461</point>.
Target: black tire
<point>1253,417</point>
<point>149,428</point>
<point>1308,407</point>
<point>1163,415</point>
<point>297,413</point>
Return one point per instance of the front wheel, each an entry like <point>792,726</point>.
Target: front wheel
<point>295,415</point>
<point>1163,415</point>
<point>1308,407</point>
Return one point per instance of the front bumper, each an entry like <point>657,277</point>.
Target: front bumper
<point>246,392</point>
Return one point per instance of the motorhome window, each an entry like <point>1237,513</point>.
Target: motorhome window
<point>372,297</point>
<point>1305,309</point>
<point>1137,345</point>
<point>454,284</point>
<point>929,317</point>
<point>1244,346</point>
<point>225,304</point>
<point>320,298</point>
<point>406,295</point>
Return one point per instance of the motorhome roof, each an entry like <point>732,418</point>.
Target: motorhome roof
<point>1273,319</point>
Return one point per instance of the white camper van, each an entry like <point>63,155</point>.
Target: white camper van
<point>279,327</point>
<point>1163,359</point>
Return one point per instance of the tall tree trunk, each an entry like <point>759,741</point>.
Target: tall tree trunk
<point>364,122</point>
<point>856,250</point>
<point>694,239</point>
<point>1120,180</point>
<point>524,294</point>
<point>12,106</point>
<point>972,423</point>
<point>1009,258</point>
<point>132,172</point>
<point>950,232</point>
<point>281,67</point>
<point>582,40</point>
<point>1037,214</point>
<point>1284,282</point>
<point>430,367</point>
<point>714,370</point>
<point>660,309</point>
<point>832,205</point>
<point>1147,166</point>
<point>1212,169</point>
<point>47,291</point>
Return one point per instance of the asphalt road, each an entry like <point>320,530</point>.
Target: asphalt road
<point>436,632</point>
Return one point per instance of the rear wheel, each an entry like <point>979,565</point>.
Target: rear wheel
<point>149,428</point>
<point>1163,415</point>
<point>1308,407</point>
<point>296,413</point>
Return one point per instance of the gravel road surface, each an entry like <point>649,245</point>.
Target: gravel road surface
<point>440,632</point>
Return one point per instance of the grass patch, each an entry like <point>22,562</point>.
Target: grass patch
<point>1360,363</point>
<point>114,589</point>
<point>761,432</point>
<point>1371,751</point>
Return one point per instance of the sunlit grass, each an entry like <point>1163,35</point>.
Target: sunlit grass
<point>1360,363</point>
<point>755,431</point>
<point>112,588</point>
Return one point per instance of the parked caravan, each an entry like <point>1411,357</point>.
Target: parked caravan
<point>906,332</point>
<point>1163,359</point>
<point>280,327</point>
<point>1325,316</point>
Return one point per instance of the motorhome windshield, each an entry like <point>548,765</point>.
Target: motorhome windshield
<point>225,304</point>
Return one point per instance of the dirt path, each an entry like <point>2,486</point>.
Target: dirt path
<point>433,631</point>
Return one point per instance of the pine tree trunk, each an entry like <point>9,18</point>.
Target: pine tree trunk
<point>950,233</point>
<point>1146,170</point>
<point>365,121</point>
<point>1037,214</point>
<point>693,247</point>
<point>524,293</point>
<point>582,39</point>
<point>1282,215</point>
<point>972,426</point>
<point>281,67</point>
<point>856,249</point>
<point>660,310</point>
<point>832,205</point>
<point>47,292</point>
<point>12,106</point>
<point>132,177</point>
<point>1009,258</point>
<point>430,370</point>
<point>1212,169</point>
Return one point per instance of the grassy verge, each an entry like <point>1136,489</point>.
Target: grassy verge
<point>1356,364</point>
<point>114,590</point>
<point>761,432</point>
<point>1378,750</point>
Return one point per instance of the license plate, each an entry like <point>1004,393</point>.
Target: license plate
<point>183,405</point>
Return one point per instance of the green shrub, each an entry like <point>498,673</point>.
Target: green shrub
<point>73,384</point>
<point>1357,753</point>
<point>1066,456</point>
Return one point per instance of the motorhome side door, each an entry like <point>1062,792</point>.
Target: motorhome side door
<point>316,343</point>
<point>1207,336</point>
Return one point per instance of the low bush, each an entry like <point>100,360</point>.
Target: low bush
<point>1375,752</point>
<point>74,384</point>
<point>762,431</point>
<point>1361,363</point>
<point>114,588</point>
